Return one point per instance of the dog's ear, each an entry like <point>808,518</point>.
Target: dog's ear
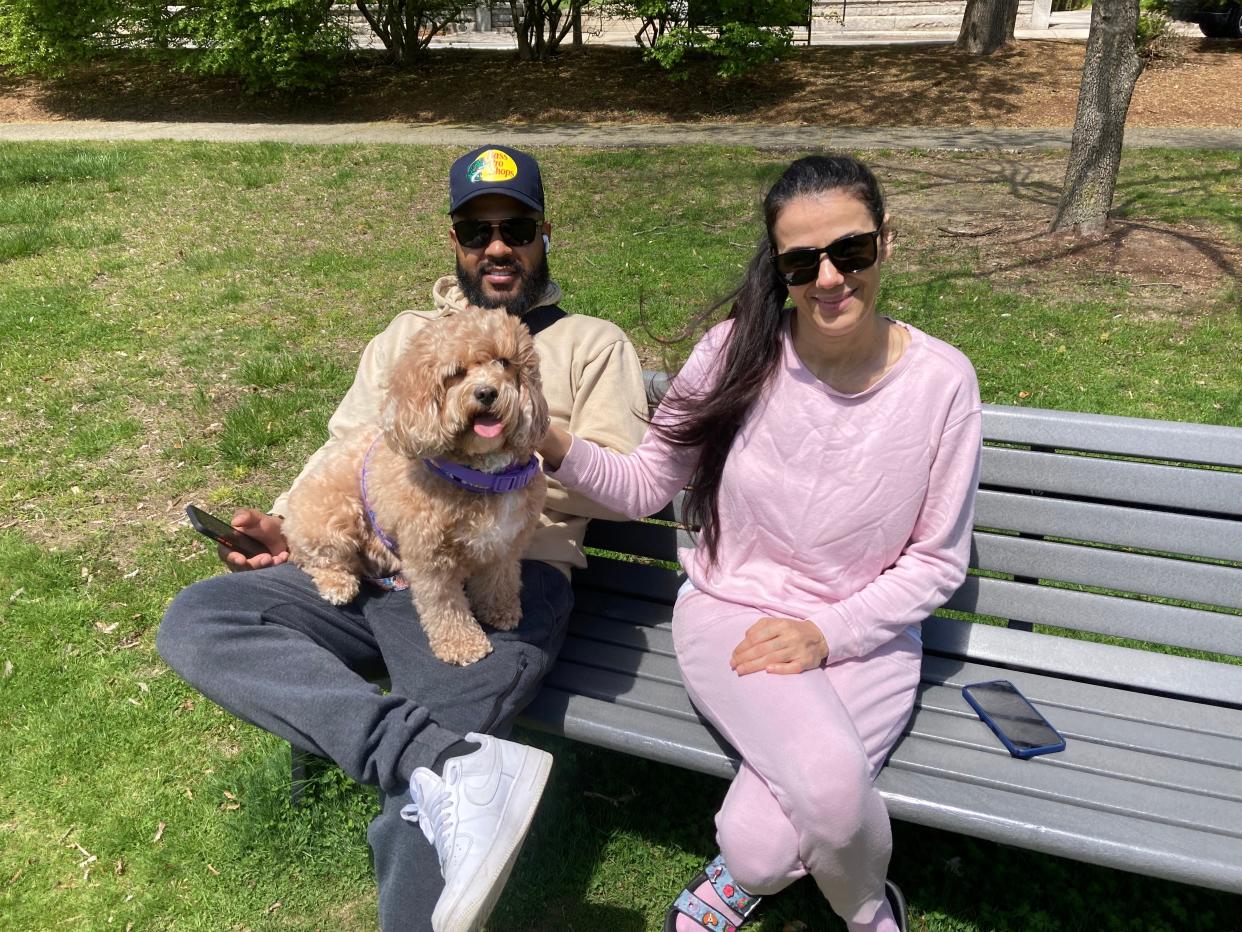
<point>535,417</point>
<point>410,416</point>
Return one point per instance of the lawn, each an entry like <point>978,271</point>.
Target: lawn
<point>179,321</point>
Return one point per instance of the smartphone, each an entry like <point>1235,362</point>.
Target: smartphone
<point>223,533</point>
<point>1016,722</point>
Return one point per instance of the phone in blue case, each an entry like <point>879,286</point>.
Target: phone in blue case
<point>1015,721</point>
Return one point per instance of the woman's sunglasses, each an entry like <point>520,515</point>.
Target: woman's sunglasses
<point>849,254</point>
<point>515,231</point>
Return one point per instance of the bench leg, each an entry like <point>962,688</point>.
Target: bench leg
<point>301,763</point>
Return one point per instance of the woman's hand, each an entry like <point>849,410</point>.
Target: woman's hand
<point>554,447</point>
<point>779,645</point>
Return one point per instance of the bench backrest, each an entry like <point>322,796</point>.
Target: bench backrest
<point>1106,549</point>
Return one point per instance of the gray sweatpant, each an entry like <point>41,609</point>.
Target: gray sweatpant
<point>265,646</point>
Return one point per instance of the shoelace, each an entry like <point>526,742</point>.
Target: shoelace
<point>434,816</point>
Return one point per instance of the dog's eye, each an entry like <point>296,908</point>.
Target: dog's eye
<point>504,363</point>
<point>456,375</point>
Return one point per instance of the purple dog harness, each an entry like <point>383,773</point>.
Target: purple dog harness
<point>472,480</point>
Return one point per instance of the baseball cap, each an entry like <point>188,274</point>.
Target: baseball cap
<point>495,170</point>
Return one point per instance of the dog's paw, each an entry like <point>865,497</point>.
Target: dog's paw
<point>501,617</point>
<point>462,648</point>
<point>336,586</point>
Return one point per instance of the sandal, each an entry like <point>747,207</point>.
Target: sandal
<point>897,902</point>
<point>687,904</point>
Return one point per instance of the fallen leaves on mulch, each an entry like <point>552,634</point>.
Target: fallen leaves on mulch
<point>1033,84</point>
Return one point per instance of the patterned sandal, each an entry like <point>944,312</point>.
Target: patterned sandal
<point>687,904</point>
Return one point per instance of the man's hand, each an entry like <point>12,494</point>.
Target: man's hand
<point>555,445</point>
<point>266,529</point>
<point>779,645</point>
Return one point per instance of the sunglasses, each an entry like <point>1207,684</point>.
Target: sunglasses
<point>514,231</point>
<point>849,254</point>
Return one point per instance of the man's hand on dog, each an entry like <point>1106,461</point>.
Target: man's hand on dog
<point>266,529</point>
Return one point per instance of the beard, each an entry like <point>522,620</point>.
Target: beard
<point>531,285</point>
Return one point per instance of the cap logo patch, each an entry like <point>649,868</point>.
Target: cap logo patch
<point>492,165</point>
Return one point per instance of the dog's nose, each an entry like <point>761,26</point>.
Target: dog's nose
<point>485,395</point>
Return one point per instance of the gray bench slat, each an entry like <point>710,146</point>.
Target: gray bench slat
<point>1182,676</point>
<point>627,660</point>
<point>654,582</point>
<point>1045,778</point>
<point>1165,577</point>
<point>629,730</point>
<point>628,608</point>
<point>1085,752</point>
<point>1199,731</point>
<point>914,795</point>
<point>1107,839</point>
<point>657,541</point>
<point>646,638</point>
<point>1122,436</point>
<point>622,689</point>
<point>1213,538</point>
<point>1073,610</point>
<point>1141,483</point>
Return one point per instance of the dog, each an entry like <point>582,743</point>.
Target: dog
<point>446,493</point>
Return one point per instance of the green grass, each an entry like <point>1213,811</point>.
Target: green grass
<point>179,321</point>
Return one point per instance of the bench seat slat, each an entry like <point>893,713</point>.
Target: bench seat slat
<point>1046,778</point>
<point>623,690</point>
<point>1121,436</point>
<point>916,793</point>
<point>1206,583</point>
<point>1108,839</point>
<point>1086,660</point>
<point>1075,610</point>
<point>1090,754</point>
<point>1122,705</point>
<point>1115,525</point>
<point>653,640</point>
<point>622,607</point>
<point>1142,483</point>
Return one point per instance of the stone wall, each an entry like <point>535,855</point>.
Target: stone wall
<point>833,17</point>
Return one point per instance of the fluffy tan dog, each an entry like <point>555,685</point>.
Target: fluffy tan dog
<point>464,399</point>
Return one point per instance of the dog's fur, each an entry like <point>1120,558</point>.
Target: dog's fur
<point>459,549</point>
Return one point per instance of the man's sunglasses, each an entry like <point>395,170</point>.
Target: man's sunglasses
<point>849,254</point>
<point>515,231</point>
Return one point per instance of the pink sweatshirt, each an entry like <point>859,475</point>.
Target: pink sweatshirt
<point>852,511</point>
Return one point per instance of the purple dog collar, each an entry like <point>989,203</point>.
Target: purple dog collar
<point>473,480</point>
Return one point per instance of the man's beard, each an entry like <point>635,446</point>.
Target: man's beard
<point>531,287</point>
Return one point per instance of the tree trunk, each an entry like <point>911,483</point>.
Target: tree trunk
<point>1111,68</point>
<point>987,25</point>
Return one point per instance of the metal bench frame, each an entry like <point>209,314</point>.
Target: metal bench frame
<point>1099,543</point>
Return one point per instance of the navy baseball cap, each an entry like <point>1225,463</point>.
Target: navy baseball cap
<point>495,170</point>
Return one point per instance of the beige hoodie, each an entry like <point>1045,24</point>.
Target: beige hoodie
<point>592,380</point>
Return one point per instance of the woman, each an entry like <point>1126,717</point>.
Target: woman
<point>832,455</point>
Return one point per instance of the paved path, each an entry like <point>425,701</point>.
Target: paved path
<point>611,135</point>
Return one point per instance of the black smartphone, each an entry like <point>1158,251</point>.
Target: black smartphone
<point>223,533</point>
<point>1011,716</point>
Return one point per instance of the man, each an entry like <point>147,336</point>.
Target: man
<point>268,648</point>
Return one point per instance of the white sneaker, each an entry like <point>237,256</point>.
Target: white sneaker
<point>477,816</point>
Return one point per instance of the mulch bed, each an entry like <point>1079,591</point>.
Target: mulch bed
<point>1035,84</point>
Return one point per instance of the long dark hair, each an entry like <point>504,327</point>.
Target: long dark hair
<point>709,420</point>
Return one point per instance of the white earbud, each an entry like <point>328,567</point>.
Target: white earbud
<point>547,243</point>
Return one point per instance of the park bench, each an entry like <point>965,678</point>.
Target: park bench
<point>1105,582</point>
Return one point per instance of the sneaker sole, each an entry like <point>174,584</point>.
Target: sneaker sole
<point>469,915</point>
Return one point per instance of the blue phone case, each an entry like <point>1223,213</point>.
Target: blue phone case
<point>1015,750</point>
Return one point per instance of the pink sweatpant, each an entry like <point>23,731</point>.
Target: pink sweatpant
<point>811,745</point>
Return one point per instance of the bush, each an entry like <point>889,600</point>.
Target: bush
<point>269,44</point>
<point>739,34</point>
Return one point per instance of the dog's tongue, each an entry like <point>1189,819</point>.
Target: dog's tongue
<point>485,425</point>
